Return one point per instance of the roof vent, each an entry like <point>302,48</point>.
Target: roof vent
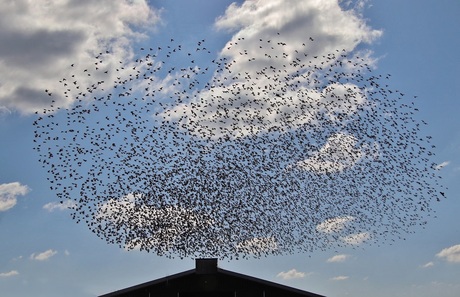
<point>206,266</point>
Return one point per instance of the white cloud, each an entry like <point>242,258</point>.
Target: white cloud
<point>330,26</point>
<point>256,47</point>
<point>17,258</point>
<point>324,19</point>
<point>442,165</point>
<point>338,153</point>
<point>356,239</point>
<point>334,224</point>
<point>44,37</point>
<point>52,206</point>
<point>43,256</point>
<point>165,224</point>
<point>4,111</point>
<point>450,254</point>
<point>291,274</point>
<point>9,274</point>
<point>342,225</point>
<point>429,264</point>
<point>9,193</point>
<point>340,278</point>
<point>337,258</point>
<point>258,245</point>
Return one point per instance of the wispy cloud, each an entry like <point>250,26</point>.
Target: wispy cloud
<point>43,256</point>
<point>450,254</point>
<point>356,239</point>
<point>336,224</point>
<point>9,193</point>
<point>17,258</point>
<point>342,225</point>
<point>442,165</point>
<point>4,111</point>
<point>9,273</point>
<point>427,265</point>
<point>340,278</point>
<point>337,258</point>
<point>52,206</point>
<point>292,274</point>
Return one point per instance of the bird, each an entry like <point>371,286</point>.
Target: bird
<point>277,150</point>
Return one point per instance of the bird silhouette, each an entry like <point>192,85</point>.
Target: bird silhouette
<point>253,151</point>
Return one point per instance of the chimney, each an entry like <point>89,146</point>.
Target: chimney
<point>206,266</point>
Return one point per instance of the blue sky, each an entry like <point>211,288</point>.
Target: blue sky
<point>43,251</point>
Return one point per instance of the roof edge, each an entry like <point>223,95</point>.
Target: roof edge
<point>268,283</point>
<point>218,270</point>
<point>149,283</point>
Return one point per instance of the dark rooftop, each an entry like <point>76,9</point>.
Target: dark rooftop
<point>208,280</point>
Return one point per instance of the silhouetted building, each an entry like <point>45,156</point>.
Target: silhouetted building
<point>208,280</point>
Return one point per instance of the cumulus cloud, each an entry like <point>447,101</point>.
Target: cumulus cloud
<point>450,254</point>
<point>279,34</point>
<point>325,19</point>
<point>9,193</point>
<point>337,258</point>
<point>329,25</point>
<point>8,274</point>
<point>45,37</point>
<point>291,274</point>
<point>52,206</point>
<point>43,256</point>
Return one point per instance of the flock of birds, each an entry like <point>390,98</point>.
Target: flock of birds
<point>263,149</point>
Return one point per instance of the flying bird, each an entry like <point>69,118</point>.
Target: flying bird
<point>229,155</point>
